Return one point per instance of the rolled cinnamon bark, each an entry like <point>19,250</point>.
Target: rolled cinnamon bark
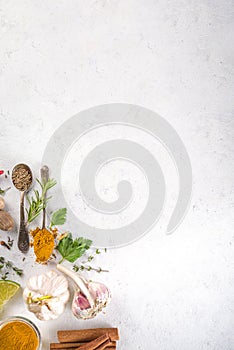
<point>109,347</point>
<point>64,345</point>
<point>91,345</point>
<point>104,345</point>
<point>84,335</point>
<point>73,346</point>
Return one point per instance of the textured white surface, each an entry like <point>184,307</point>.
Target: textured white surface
<point>175,57</point>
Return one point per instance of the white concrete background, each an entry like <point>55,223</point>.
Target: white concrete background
<point>175,57</point>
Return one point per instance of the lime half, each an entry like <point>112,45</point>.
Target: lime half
<point>7,290</point>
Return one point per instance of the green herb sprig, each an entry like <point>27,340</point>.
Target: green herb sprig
<point>86,267</point>
<point>78,268</point>
<point>6,267</point>
<point>39,201</point>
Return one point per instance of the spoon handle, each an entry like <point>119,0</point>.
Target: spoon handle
<point>44,180</point>
<point>23,240</point>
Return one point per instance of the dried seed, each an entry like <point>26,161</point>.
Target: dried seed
<point>21,178</point>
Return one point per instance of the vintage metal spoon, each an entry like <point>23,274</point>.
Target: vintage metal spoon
<point>22,180</point>
<point>44,180</point>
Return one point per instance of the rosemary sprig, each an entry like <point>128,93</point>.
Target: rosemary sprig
<point>6,267</point>
<point>36,205</point>
<point>39,201</point>
<point>46,186</point>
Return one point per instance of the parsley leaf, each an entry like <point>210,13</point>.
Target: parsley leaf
<point>71,249</point>
<point>59,217</point>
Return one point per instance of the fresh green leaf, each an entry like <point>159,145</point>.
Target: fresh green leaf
<point>64,245</point>
<point>59,217</point>
<point>71,249</point>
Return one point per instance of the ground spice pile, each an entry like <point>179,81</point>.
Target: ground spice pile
<point>43,244</point>
<point>18,335</point>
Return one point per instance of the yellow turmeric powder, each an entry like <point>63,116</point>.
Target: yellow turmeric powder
<point>43,244</point>
<point>18,335</point>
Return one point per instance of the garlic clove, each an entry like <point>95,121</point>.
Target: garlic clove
<point>82,301</point>
<point>80,282</point>
<point>41,282</point>
<point>99,290</point>
<point>58,283</point>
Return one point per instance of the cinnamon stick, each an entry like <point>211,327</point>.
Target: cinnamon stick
<point>109,347</point>
<point>83,335</point>
<point>103,346</point>
<point>70,346</point>
<point>64,345</point>
<point>91,345</point>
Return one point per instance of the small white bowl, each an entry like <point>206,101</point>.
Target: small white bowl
<point>25,321</point>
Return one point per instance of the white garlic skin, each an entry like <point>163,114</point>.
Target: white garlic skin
<point>51,284</point>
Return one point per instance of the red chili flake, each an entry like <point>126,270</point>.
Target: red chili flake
<point>1,172</point>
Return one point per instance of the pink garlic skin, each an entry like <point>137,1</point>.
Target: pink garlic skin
<point>101,296</point>
<point>81,301</point>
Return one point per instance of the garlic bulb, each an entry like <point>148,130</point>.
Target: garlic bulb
<point>90,297</point>
<point>46,295</point>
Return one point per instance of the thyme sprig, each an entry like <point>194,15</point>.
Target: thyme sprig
<point>78,268</point>
<point>84,266</point>
<point>6,267</point>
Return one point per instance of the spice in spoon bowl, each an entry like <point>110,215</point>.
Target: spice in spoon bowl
<point>22,180</point>
<point>19,333</point>
<point>22,177</point>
